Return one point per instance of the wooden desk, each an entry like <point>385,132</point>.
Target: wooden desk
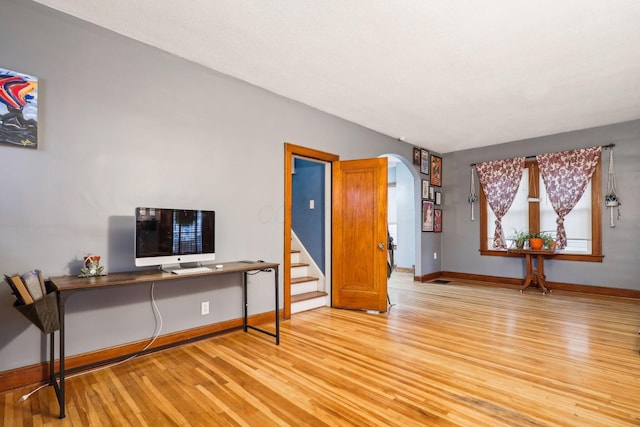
<point>534,275</point>
<point>65,286</point>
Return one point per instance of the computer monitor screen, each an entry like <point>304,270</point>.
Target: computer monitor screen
<point>174,236</point>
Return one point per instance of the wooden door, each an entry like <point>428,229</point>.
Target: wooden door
<point>359,238</point>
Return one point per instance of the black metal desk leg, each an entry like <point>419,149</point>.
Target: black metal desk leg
<point>62,396</point>
<point>58,385</point>
<point>245,314</point>
<point>275,278</point>
<point>52,358</point>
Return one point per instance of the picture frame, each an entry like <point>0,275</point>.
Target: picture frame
<point>18,109</point>
<point>424,161</point>
<point>438,198</point>
<point>427,215</point>
<point>417,156</point>
<point>432,193</point>
<point>425,189</point>
<point>437,220</point>
<point>436,170</point>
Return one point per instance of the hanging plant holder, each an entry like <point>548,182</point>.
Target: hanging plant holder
<point>473,198</point>
<point>611,200</point>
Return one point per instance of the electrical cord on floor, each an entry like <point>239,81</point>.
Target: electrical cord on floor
<point>28,395</point>
<point>156,333</point>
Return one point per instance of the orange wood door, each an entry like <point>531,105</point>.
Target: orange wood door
<point>359,239</point>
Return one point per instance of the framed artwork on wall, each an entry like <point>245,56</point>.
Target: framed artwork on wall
<point>438,198</point>
<point>18,109</point>
<point>436,170</point>
<point>425,189</point>
<point>437,220</point>
<point>424,161</point>
<point>427,215</point>
<point>432,193</point>
<point>417,156</point>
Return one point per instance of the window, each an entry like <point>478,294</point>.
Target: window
<point>532,210</point>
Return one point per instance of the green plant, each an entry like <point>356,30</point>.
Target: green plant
<point>547,238</point>
<point>519,238</point>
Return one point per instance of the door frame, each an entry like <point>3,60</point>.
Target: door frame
<point>291,150</point>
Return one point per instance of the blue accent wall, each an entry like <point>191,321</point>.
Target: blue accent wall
<point>308,224</point>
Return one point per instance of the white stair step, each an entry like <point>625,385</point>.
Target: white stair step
<point>295,257</point>
<point>303,285</point>
<point>299,270</point>
<point>303,302</point>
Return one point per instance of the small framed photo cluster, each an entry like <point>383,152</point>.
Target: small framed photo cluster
<point>431,165</point>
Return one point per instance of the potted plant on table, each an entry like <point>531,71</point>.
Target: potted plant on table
<point>519,238</point>
<point>549,241</point>
<point>541,240</point>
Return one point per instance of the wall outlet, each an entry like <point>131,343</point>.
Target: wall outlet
<point>204,308</point>
<point>435,255</point>
<point>312,204</point>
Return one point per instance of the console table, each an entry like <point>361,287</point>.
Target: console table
<point>65,286</point>
<point>534,275</point>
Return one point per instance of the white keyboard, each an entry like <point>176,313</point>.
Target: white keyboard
<point>194,270</point>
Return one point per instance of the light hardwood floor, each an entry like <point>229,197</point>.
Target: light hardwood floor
<point>445,354</point>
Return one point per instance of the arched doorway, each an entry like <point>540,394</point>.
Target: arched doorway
<point>403,213</point>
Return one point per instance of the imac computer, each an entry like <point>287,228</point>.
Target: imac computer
<point>177,240</point>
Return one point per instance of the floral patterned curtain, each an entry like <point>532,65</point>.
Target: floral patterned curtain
<point>500,180</point>
<point>566,175</point>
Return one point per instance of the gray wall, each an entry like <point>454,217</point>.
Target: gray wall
<point>621,266</point>
<point>124,125</point>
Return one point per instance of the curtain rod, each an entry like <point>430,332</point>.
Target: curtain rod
<point>533,157</point>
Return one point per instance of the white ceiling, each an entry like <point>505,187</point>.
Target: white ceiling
<point>444,74</point>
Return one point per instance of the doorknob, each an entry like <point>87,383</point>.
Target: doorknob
<point>381,246</point>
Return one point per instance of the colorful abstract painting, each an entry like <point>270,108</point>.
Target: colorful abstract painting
<point>18,109</point>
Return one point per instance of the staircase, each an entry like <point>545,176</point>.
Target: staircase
<point>306,290</point>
